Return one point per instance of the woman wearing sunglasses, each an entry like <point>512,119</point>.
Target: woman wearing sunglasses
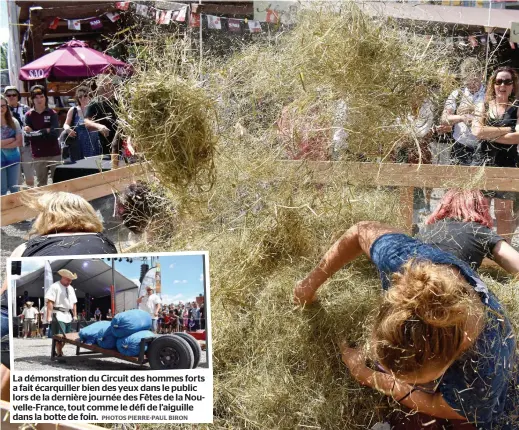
<point>441,340</point>
<point>88,141</point>
<point>495,127</point>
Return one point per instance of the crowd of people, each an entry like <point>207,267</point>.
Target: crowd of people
<point>36,140</point>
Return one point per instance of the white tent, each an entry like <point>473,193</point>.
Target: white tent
<point>94,277</point>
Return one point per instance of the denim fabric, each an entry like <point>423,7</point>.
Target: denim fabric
<point>10,170</point>
<point>479,384</point>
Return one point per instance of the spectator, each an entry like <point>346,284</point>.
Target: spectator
<point>202,316</point>
<point>195,316</point>
<point>496,127</point>
<point>44,321</point>
<point>18,111</point>
<point>11,141</point>
<point>459,112</point>
<point>97,314</point>
<point>109,315</point>
<point>84,314</point>
<point>151,303</point>
<point>462,226</point>
<point>66,224</point>
<point>30,316</point>
<point>100,116</point>
<point>41,128</point>
<point>88,143</point>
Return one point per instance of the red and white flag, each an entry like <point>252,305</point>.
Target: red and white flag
<point>122,5</point>
<point>74,24</point>
<point>113,16</point>
<point>194,20</point>
<point>167,17</point>
<point>473,41</point>
<point>214,22</point>
<point>141,9</point>
<point>54,24</point>
<point>181,17</point>
<point>254,26</point>
<point>96,24</point>
<point>234,25</point>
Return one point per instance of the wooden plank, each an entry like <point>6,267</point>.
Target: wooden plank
<point>407,175</point>
<point>76,185</point>
<point>89,187</point>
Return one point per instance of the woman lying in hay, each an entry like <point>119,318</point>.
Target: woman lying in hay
<point>441,342</point>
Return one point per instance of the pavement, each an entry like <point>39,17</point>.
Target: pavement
<point>34,354</point>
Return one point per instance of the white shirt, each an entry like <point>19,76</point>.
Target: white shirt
<point>30,313</point>
<point>465,101</point>
<point>57,293</point>
<point>149,304</point>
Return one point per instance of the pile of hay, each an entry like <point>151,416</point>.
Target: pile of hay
<point>170,119</point>
<point>379,70</point>
<point>265,226</point>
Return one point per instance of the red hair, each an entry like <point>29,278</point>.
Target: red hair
<point>463,205</point>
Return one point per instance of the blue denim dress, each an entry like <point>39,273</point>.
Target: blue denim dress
<point>479,385</point>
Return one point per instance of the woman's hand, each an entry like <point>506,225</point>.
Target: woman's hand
<point>104,130</point>
<point>72,132</point>
<point>304,293</point>
<point>27,129</point>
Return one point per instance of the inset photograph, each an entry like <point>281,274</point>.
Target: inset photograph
<point>118,312</point>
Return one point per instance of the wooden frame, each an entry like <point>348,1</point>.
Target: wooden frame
<point>89,187</point>
<point>407,176</point>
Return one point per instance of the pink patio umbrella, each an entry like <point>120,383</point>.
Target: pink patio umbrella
<point>73,60</point>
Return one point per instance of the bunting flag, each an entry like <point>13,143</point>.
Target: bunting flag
<point>96,24</point>
<point>254,26</point>
<point>214,22</point>
<point>167,17</point>
<point>122,5</point>
<point>194,20</point>
<point>113,16</point>
<point>234,25</point>
<point>54,24</point>
<point>74,24</point>
<point>158,16</point>
<point>141,9</point>
<point>492,37</point>
<point>181,17</point>
<point>512,44</point>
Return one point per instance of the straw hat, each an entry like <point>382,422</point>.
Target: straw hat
<point>67,274</point>
<point>29,303</point>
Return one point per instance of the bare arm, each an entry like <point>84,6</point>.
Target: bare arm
<point>450,118</point>
<point>68,123</point>
<point>95,126</point>
<point>356,241</point>
<point>484,132</point>
<point>507,257</point>
<point>74,311</point>
<point>50,307</point>
<point>402,392</point>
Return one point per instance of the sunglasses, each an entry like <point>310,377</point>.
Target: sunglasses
<point>12,95</point>
<point>506,82</point>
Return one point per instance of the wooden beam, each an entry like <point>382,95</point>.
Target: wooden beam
<point>405,175</point>
<point>89,187</point>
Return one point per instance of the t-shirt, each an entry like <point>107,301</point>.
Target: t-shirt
<point>478,385</point>
<point>18,113</point>
<point>30,313</point>
<point>44,143</point>
<point>10,156</point>
<point>469,241</point>
<point>63,297</point>
<point>464,102</point>
<point>101,111</point>
<point>70,244</point>
<point>149,304</point>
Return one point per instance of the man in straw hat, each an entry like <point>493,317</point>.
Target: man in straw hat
<point>151,304</point>
<point>29,318</point>
<point>61,299</point>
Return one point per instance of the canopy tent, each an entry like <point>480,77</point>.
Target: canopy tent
<point>73,60</point>
<point>94,277</point>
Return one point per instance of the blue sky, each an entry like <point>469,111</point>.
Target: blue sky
<point>182,275</point>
